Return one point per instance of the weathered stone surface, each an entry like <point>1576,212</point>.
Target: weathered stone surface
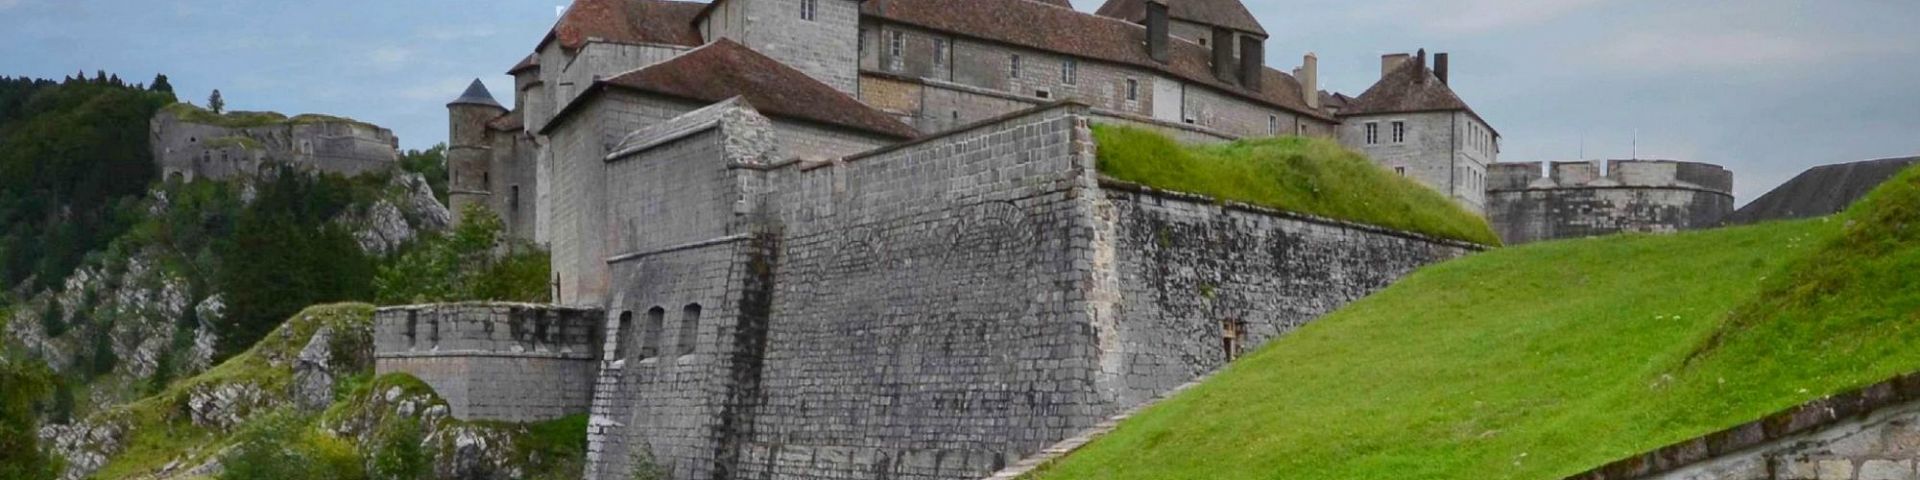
<point>312,374</point>
<point>1576,200</point>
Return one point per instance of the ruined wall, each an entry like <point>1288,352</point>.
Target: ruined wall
<point>188,150</point>
<point>1199,281</point>
<point>1579,200</point>
<point>1867,434</point>
<point>494,361</point>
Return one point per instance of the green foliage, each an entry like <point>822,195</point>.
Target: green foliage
<point>285,446</point>
<point>1299,174</point>
<point>1545,360</point>
<point>432,164</point>
<point>76,159</point>
<point>23,384</point>
<point>285,254</point>
<point>466,264</point>
<point>397,454</point>
<point>160,84</point>
<point>216,103</point>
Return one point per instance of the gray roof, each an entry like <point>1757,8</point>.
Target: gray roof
<point>476,94</point>
<point>1822,190</point>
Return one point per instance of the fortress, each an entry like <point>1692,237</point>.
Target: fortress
<point>813,239</point>
<point>191,144</point>
<point>1575,199</point>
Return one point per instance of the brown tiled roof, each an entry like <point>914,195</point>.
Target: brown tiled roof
<point>1408,89</point>
<point>1033,25</point>
<point>532,61</point>
<point>725,69</point>
<point>507,123</point>
<point>627,21</point>
<point>1226,13</point>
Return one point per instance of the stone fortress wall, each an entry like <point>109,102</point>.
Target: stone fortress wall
<point>1872,433</point>
<point>932,310</point>
<point>1578,199</point>
<point>495,361</point>
<point>186,149</point>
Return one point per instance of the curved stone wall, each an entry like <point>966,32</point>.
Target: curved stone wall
<point>1578,199</point>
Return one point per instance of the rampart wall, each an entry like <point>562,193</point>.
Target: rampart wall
<point>187,150</point>
<point>494,361</point>
<point>1868,434</point>
<point>1578,199</point>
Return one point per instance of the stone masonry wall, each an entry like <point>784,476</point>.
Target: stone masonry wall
<point>1868,434</point>
<point>188,150</point>
<point>1433,151</point>
<point>494,361</point>
<point>1578,200</point>
<point>1194,277</point>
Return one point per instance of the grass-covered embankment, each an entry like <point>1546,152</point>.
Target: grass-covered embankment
<point>1314,176</point>
<point>1545,360</point>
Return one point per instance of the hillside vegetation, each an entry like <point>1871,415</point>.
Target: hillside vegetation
<point>1314,176</point>
<point>1546,360</point>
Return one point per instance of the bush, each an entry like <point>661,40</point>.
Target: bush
<point>20,453</point>
<point>473,262</point>
<point>397,454</point>
<point>284,446</point>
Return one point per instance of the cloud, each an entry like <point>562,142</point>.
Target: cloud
<point>1474,16</point>
<point>436,91</point>
<point>1682,50</point>
<point>447,33</point>
<point>390,56</point>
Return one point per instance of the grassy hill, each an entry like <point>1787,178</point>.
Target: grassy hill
<point>1542,361</point>
<point>1315,176</point>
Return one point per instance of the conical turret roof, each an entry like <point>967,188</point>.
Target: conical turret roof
<point>476,94</point>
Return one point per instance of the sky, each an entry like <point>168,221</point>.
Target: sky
<point>1766,88</point>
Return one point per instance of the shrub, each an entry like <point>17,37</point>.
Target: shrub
<point>473,262</point>
<point>20,453</point>
<point>397,453</point>
<point>283,445</point>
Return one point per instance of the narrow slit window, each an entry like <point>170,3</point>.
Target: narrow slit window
<point>689,329</point>
<point>1133,89</point>
<point>650,333</point>
<point>623,344</point>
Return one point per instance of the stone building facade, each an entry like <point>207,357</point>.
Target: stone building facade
<point>893,255</point>
<point>1577,199</point>
<point>190,144</point>
<point>1412,123</point>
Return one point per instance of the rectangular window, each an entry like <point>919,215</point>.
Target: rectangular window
<point>808,8</point>
<point>1014,71</point>
<point>1069,71</point>
<point>1273,125</point>
<point>896,46</point>
<point>939,53</point>
<point>1133,89</point>
<point>1400,170</point>
<point>1373,133</point>
<point>1399,132</point>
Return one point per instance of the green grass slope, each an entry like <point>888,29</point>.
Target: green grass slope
<point>1299,174</point>
<point>1546,360</point>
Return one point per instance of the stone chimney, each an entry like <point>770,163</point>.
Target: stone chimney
<point>1158,31</point>
<point>1223,64</point>
<point>1440,67</point>
<point>1420,62</point>
<point>1391,61</point>
<point>1309,76</point>
<point>1253,61</point>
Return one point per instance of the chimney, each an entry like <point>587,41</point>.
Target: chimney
<point>1440,67</point>
<point>1309,76</point>
<point>1420,62</point>
<point>1223,64</point>
<point>1158,31</point>
<point>1253,61</point>
<point>1390,62</point>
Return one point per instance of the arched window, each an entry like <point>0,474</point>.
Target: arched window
<point>651,333</point>
<point>689,329</point>
<point>621,343</point>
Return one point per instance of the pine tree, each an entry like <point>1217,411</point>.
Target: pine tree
<point>160,84</point>
<point>215,103</point>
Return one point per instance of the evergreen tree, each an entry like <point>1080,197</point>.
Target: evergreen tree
<point>160,84</point>
<point>215,103</point>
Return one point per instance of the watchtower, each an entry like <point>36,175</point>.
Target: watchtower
<point>469,154</point>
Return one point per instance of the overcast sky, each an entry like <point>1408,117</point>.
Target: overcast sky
<point>1765,87</point>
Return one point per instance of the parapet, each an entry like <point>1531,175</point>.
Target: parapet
<point>512,362</point>
<point>1509,176</point>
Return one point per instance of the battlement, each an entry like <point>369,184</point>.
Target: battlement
<point>495,361</point>
<point>1511,176</point>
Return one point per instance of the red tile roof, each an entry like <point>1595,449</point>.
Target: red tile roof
<point>1226,13</point>
<point>1033,25</point>
<point>627,21</point>
<point>1411,88</point>
<point>725,69</point>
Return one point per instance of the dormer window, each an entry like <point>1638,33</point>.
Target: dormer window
<point>808,9</point>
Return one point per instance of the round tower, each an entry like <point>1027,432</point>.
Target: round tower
<point>469,154</point>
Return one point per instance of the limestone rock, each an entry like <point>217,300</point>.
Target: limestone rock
<point>223,407</point>
<point>312,377</point>
<point>86,445</point>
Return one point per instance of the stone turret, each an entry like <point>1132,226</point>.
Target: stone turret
<point>469,154</point>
